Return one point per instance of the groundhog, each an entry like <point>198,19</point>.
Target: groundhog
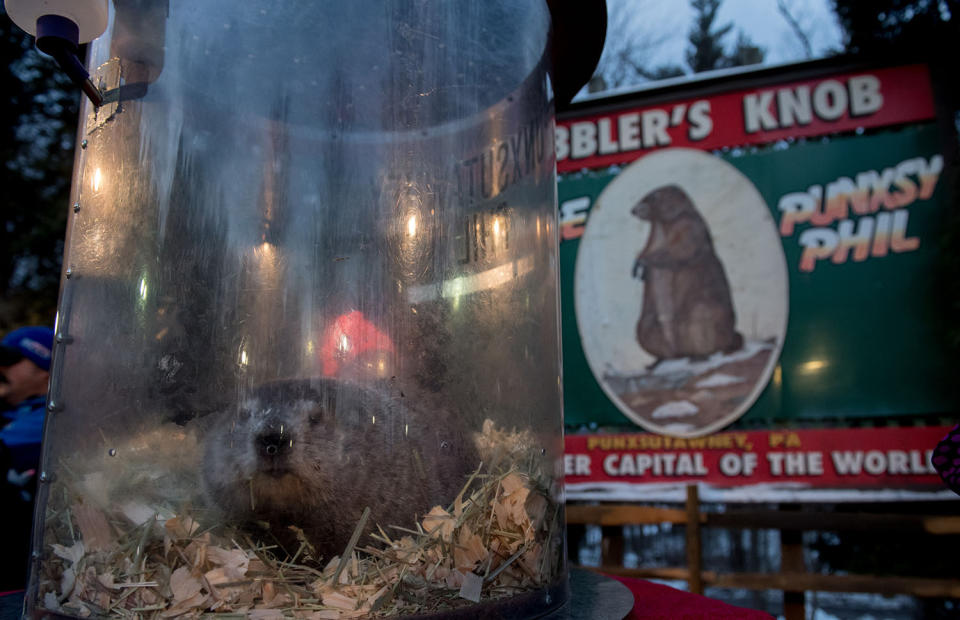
<point>687,309</point>
<point>314,453</point>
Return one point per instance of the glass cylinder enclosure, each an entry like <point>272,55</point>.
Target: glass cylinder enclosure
<point>307,359</point>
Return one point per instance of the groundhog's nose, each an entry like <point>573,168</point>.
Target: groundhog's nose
<point>273,445</point>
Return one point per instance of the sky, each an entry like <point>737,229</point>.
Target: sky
<point>763,23</point>
<point>661,27</point>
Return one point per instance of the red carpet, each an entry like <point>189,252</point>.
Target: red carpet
<point>653,601</point>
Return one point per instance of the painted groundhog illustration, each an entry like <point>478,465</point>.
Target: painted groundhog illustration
<point>687,309</point>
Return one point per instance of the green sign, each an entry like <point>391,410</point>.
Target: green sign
<point>859,220</point>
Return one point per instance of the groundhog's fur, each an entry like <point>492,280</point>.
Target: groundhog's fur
<point>687,309</point>
<point>314,453</point>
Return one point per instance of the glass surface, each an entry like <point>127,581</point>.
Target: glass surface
<point>312,272</point>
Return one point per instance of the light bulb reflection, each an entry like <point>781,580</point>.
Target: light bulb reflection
<point>97,180</point>
<point>456,287</point>
<point>812,366</point>
<point>412,232</point>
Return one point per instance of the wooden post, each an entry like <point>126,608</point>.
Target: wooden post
<point>611,546</point>
<point>575,535</point>
<point>791,561</point>
<point>694,549</point>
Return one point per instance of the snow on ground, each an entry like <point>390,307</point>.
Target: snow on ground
<point>702,393</point>
<point>675,409</point>
<point>677,427</point>
<point>719,380</point>
<point>689,367</point>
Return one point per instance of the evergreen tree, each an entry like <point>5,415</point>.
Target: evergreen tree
<point>746,52</point>
<point>919,29</point>
<point>39,109</point>
<point>706,50</point>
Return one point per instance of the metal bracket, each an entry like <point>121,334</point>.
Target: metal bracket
<point>109,79</point>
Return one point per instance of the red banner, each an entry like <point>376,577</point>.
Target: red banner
<point>835,103</point>
<point>833,458</point>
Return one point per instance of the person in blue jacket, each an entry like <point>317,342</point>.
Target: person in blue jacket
<point>24,375</point>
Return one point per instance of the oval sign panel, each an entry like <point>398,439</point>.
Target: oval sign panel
<point>681,292</point>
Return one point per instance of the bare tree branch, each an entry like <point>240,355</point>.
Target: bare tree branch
<point>795,26</point>
<point>631,43</point>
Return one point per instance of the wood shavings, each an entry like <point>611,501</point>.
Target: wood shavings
<point>94,529</point>
<point>73,554</point>
<point>181,527</point>
<point>501,535</point>
<point>439,523</point>
<point>470,551</point>
<point>183,585</point>
<point>137,512</point>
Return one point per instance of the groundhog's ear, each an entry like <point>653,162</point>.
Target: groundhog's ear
<point>310,409</point>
